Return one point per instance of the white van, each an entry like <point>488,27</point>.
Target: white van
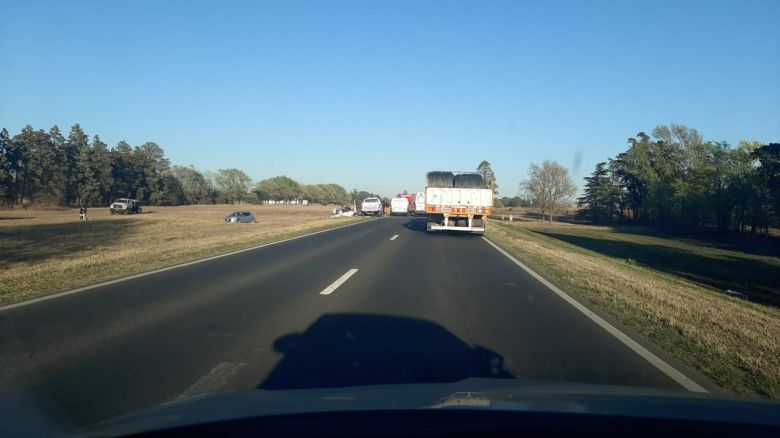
<point>419,203</point>
<point>399,206</point>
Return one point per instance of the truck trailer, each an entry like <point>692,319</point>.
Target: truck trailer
<point>457,201</point>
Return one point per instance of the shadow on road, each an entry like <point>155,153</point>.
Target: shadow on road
<point>341,350</point>
<point>416,224</point>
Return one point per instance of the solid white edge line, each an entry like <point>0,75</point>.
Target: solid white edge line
<point>335,285</point>
<point>157,271</point>
<point>654,360</point>
<point>394,237</point>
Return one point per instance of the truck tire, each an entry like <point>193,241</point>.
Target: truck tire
<point>440,179</point>
<point>468,181</point>
<point>479,223</point>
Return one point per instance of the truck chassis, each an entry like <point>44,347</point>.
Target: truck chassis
<point>465,224</point>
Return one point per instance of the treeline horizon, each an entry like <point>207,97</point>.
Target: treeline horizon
<point>674,178</point>
<point>40,168</point>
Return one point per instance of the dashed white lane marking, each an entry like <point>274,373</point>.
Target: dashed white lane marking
<point>394,237</point>
<point>335,285</point>
<point>214,380</point>
<point>156,271</point>
<point>646,354</point>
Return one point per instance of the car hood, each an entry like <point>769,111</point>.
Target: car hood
<point>474,393</point>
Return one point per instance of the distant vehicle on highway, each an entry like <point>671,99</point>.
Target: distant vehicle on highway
<point>419,203</point>
<point>372,206</point>
<point>125,206</point>
<point>411,198</point>
<point>399,206</point>
<point>457,201</point>
<point>240,217</point>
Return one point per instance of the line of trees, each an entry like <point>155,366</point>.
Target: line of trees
<point>675,178</point>
<point>282,188</point>
<point>48,169</point>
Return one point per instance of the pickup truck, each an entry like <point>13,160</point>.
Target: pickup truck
<point>125,206</point>
<point>372,206</point>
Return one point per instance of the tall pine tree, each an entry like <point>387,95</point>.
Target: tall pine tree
<point>73,154</point>
<point>598,200</point>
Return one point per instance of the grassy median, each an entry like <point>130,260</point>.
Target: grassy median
<point>47,251</point>
<point>671,291</point>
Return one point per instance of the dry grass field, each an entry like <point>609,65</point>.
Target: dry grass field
<point>46,251</point>
<point>670,290</point>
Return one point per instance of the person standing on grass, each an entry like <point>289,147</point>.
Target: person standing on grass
<point>85,212</point>
<point>82,213</point>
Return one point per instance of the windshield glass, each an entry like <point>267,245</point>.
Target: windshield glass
<point>553,193</point>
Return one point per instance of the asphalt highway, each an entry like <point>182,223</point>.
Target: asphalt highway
<point>380,302</point>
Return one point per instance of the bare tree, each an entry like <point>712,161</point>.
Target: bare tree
<point>549,186</point>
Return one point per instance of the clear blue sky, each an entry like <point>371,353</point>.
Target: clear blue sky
<point>371,94</point>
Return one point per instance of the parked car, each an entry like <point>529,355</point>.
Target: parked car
<point>341,212</point>
<point>372,206</point>
<point>125,206</point>
<point>240,216</point>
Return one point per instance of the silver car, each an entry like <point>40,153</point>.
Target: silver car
<point>240,216</point>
